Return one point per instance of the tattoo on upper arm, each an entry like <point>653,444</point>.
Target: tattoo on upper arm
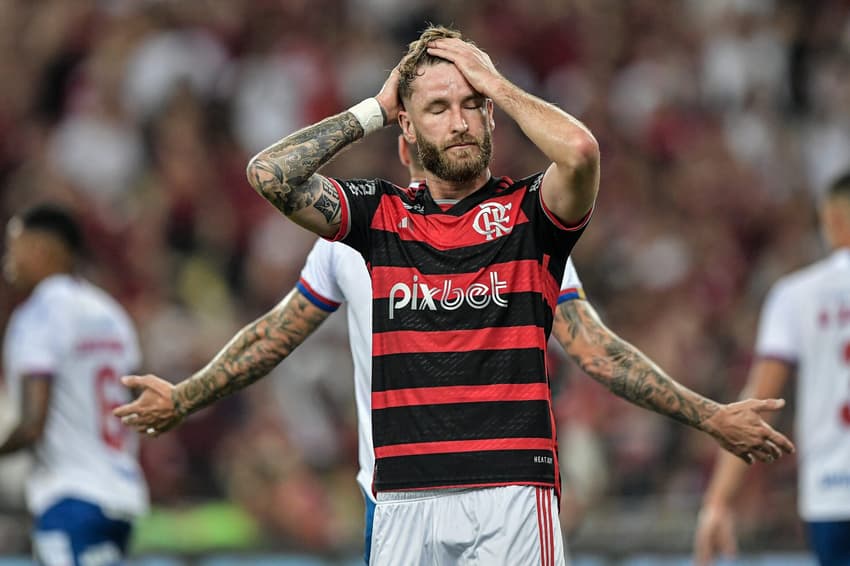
<point>625,370</point>
<point>252,353</point>
<point>571,317</point>
<point>328,203</point>
<point>283,174</point>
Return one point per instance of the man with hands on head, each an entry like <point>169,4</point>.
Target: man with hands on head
<point>465,274</point>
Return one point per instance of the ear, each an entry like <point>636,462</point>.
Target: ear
<point>407,129</point>
<point>490,109</point>
<point>403,151</point>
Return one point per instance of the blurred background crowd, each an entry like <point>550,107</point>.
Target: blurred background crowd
<point>720,124</point>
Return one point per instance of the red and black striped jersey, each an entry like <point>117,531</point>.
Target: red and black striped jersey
<point>463,302</point>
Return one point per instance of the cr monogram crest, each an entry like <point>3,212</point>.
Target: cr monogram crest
<point>492,221</point>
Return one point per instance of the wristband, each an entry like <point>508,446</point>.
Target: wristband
<point>370,114</point>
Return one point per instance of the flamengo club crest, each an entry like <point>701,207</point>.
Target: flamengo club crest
<point>492,221</point>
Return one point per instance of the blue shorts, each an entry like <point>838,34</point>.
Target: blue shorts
<point>830,541</point>
<point>368,520</point>
<point>77,533</point>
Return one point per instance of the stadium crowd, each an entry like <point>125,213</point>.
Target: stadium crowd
<point>720,124</point>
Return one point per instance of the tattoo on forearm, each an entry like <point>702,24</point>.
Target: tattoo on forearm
<point>626,371</point>
<point>252,353</point>
<point>283,173</point>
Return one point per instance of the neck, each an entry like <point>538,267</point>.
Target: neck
<point>50,272</point>
<point>442,189</point>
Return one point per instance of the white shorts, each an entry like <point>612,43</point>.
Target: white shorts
<point>515,525</point>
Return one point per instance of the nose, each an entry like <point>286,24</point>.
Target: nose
<point>459,124</point>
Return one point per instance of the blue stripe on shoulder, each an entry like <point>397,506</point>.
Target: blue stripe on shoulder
<point>317,300</point>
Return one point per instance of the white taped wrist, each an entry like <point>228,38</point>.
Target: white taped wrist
<point>370,115</point>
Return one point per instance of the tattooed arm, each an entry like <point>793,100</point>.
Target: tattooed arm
<point>250,355</point>
<point>630,374</point>
<point>622,368</point>
<point>285,174</point>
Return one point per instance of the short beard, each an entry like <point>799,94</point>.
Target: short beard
<point>438,162</point>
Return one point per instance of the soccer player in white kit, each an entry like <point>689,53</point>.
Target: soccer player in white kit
<point>66,347</point>
<point>804,330</point>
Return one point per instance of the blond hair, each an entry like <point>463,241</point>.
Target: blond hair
<point>417,56</point>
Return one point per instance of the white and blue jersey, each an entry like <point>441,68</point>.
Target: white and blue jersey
<point>806,323</point>
<point>85,463</point>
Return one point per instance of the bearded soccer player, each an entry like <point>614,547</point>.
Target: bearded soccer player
<point>66,347</point>
<point>465,274</point>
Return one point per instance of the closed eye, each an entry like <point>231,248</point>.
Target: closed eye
<point>473,103</point>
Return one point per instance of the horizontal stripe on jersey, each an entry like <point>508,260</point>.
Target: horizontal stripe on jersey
<point>438,231</point>
<point>462,421</point>
<point>461,368</point>
<point>570,294</point>
<point>315,297</point>
<point>433,341</point>
<point>460,394</point>
<point>450,446</point>
<point>390,252</point>
<point>523,466</point>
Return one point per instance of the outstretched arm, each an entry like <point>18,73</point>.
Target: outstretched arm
<point>622,368</point>
<point>250,355</point>
<point>715,528</point>
<point>627,372</point>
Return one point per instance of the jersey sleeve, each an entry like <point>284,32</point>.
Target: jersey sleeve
<point>554,221</point>
<point>571,287</point>
<point>38,340</point>
<point>318,281</point>
<point>778,332</point>
<point>554,236</point>
<point>359,199</point>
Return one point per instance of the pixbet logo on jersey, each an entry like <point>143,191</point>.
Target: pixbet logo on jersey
<point>421,296</point>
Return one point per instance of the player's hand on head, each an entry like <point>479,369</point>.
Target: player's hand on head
<point>739,428</point>
<point>471,61</point>
<point>715,534</point>
<point>389,98</point>
<point>153,411</point>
